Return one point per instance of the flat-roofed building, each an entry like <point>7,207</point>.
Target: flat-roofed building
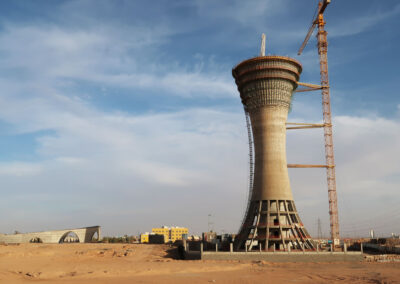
<point>171,234</point>
<point>144,238</point>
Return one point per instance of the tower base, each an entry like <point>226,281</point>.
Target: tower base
<point>273,225</point>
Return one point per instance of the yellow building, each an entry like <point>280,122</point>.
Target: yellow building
<point>162,231</point>
<point>144,238</point>
<point>177,233</point>
<point>171,234</point>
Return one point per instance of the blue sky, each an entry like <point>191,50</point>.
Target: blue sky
<point>125,114</point>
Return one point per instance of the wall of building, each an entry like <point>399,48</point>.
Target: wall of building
<point>171,234</point>
<point>283,257</point>
<point>144,238</point>
<point>85,235</point>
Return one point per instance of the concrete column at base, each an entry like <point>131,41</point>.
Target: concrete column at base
<point>245,246</point>
<point>317,248</point>
<point>274,247</point>
<point>201,248</point>
<point>288,249</point>
<point>216,247</point>
<point>260,247</point>
<point>231,247</point>
<point>345,247</point>
<point>331,248</point>
<point>362,249</point>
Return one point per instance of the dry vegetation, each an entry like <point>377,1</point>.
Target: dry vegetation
<point>130,263</point>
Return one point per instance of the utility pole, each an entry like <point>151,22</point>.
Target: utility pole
<point>319,228</point>
<point>209,223</point>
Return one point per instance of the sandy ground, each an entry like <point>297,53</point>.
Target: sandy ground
<point>119,263</point>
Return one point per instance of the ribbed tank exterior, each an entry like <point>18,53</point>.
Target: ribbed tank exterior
<point>266,85</point>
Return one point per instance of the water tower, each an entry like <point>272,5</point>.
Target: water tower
<point>271,222</point>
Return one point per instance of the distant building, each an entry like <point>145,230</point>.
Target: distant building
<point>171,234</point>
<point>194,238</point>
<point>156,239</point>
<point>144,238</point>
<point>210,237</point>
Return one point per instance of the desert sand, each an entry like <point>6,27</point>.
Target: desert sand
<point>135,263</point>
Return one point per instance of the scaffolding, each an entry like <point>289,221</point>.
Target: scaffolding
<point>251,163</point>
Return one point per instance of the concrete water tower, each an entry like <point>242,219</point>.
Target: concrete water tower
<point>271,222</point>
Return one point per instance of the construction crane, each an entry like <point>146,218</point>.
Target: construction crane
<point>318,20</point>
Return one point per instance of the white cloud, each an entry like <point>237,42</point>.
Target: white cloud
<point>357,24</point>
<point>19,169</point>
<point>367,172</point>
<point>244,12</point>
<point>189,157</point>
<point>124,160</point>
<point>70,160</point>
<point>140,160</point>
<point>179,83</point>
<point>56,57</point>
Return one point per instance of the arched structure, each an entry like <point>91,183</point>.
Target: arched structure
<point>84,235</point>
<point>95,237</point>
<point>36,240</point>
<point>69,237</point>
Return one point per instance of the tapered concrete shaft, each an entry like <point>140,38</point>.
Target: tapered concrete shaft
<point>271,177</point>
<point>266,84</point>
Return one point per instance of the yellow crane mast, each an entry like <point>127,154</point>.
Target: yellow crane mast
<point>326,107</point>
